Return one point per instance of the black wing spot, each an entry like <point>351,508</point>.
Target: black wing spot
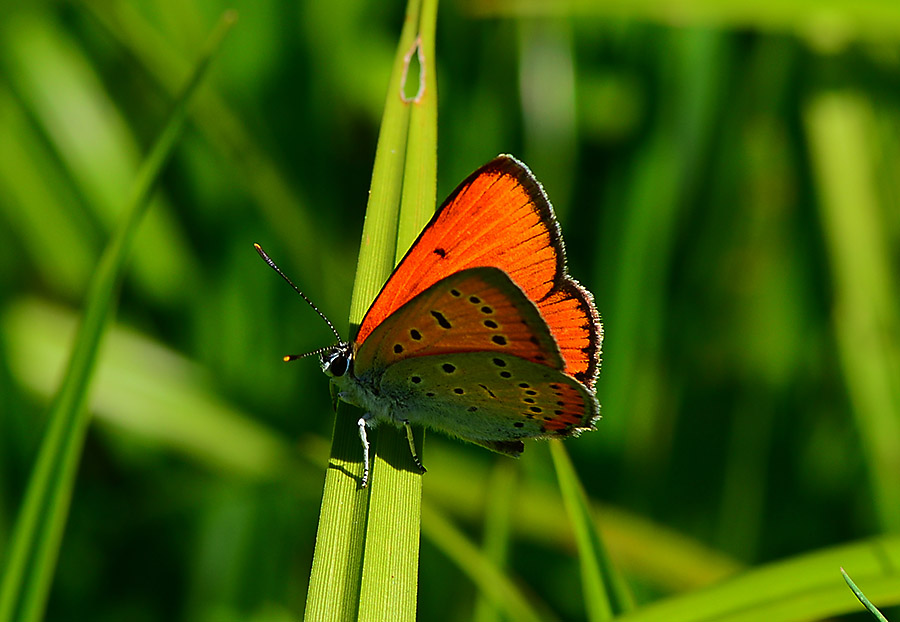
<point>415,334</point>
<point>415,379</point>
<point>459,390</point>
<point>560,403</point>
<point>475,300</point>
<point>398,348</point>
<point>499,362</point>
<point>528,400</point>
<point>557,412</point>
<point>536,409</point>
<point>429,394</point>
<point>440,252</point>
<point>441,320</point>
<point>505,374</point>
<point>448,368</point>
<point>530,392</point>
<point>524,385</point>
<point>554,386</point>
<point>491,324</point>
<point>519,424</point>
<point>455,293</point>
<point>489,392</point>
<point>579,376</point>
<point>500,340</point>
<point>534,340</point>
<point>486,310</point>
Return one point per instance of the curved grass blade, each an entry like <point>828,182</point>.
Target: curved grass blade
<point>40,524</point>
<point>366,560</point>
<point>862,598</point>
<point>605,592</point>
<point>799,588</point>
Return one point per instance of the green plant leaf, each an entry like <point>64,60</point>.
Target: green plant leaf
<point>800,588</point>
<point>605,592</point>
<point>39,528</point>
<point>862,598</point>
<point>367,547</point>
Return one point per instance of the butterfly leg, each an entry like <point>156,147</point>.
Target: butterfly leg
<point>412,446</point>
<point>363,423</point>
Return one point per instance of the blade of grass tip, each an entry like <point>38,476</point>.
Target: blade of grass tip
<point>337,571</point>
<point>487,577</point>
<point>391,560</point>
<point>605,592</point>
<point>862,598</point>
<point>38,532</point>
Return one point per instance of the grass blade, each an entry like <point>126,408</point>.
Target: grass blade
<point>605,593</point>
<point>840,127</point>
<point>40,524</point>
<point>799,588</point>
<point>381,524</point>
<point>862,598</point>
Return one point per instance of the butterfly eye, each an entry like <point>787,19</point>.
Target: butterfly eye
<point>336,363</point>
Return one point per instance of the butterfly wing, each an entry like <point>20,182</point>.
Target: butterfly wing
<point>493,399</point>
<point>474,310</point>
<point>501,217</point>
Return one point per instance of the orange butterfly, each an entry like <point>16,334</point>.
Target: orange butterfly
<point>479,332</point>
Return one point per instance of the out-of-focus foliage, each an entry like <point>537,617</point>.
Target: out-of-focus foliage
<point>728,188</point>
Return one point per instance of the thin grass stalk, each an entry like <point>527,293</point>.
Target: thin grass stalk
<point>605,592</point>
<point>386,535</point>
<point>39,528</point>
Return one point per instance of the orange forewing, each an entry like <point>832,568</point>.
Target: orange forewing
<point>501,217</point>
<point>474,310</point>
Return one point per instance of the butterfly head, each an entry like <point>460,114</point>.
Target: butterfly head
<point>337,361</point>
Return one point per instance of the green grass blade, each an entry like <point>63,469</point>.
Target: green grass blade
<point>605,593</point>
<point>39,527</point>
<point>862,598</point>
<point>490,580</point>
<point>391,563</point>
<point>868,19</point>
<point>841,132</point>
<point>800,588</point>
<point>381,524</point>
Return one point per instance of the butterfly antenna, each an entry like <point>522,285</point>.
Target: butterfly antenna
<point>294,357</point>
<point>272,265</point>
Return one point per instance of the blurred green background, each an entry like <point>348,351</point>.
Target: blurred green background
<point>727,182</point>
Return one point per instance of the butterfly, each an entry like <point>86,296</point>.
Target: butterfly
<point>479,332</point>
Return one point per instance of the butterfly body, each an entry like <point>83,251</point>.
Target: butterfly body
<point>479,332</point>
